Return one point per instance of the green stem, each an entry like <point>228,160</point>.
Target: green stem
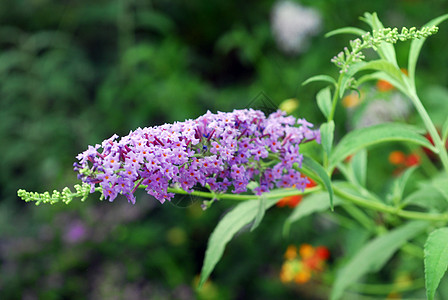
<point>238,197</point>
<point>384,289</point>
<point>415,215</point>
<point>429,126</point>
<point>335,98</point>
<point>359,215</point>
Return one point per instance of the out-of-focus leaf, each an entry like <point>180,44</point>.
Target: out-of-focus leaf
<point>313,203</point>
<point>373,256</point>
<point>359,167</point>
<point>229,225</point>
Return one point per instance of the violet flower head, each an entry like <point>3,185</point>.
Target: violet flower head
<point>222,151</point>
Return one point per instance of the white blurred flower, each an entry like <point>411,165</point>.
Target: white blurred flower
<point>381,111</point>
<point>293,24</point>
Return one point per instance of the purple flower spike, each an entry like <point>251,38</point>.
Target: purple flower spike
<point>222,151</point>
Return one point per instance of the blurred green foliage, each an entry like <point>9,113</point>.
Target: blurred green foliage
<point>73,73</point>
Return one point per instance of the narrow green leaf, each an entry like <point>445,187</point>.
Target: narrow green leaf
<point>324,101</point>
<point>445,131</point>
<point>327,134</point>
<point>441,185</point>
<point>346,30</point>
<point>365,137</point>
<point>260,212</point>
<point>399,185</point>
<point>359,167</point>
<point>386,67</point>
<point>431,195</point>
<point>436,260</point>
<point>230,224</point>
<point>373,256</point>
<point>317,202</point>
<point>324,78</point>
<point>384,76</point>
<point>426,197</point>
<point>416,46</point>
<point>313,169</point>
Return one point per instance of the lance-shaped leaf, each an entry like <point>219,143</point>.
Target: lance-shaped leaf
<point>324,101</point>
<point>323,78</point>
<point>436,260</point>
<point>230,224</point>
<point>315,171</point>
<point>365,137</point>
<point>373,256</point>
<point>313,203</point>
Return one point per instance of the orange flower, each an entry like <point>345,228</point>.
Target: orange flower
<point>403,161</point>
<point>322,252</point>
<point>303,276</point>
<point>306,251</point>
<point>293,201</point>
<point>291,252</point>
<point>412,160</point>
<point>384,86</point>
<point>301,269</point>
<point>397,157</point>
<point>351,100</point>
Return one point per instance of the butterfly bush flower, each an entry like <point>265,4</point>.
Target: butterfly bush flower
<point>222,151</point>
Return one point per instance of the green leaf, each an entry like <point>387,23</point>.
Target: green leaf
<point>313,203</point>
<point>436,260</point>
<point>373,256</point>
<point>399,185</point>
<point>230,224</point>
<point>327,134</point>
<point>416,46</point>
<point>313,169</point>
<point>260,212</point>
<point>431,195</point>
<point>365,137</point>
<point>359,167</point>
<point>445,131</point>
<point>384,76</point>
<point>346,30</point>
<point>427,197</point>
<point>324,78</point>
<point>324,101</point>
<point>383,65</point>
<point>394,74</point>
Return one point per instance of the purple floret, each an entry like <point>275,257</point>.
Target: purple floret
<point>222,151</point>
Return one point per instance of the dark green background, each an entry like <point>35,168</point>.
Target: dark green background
<point>73,73</point>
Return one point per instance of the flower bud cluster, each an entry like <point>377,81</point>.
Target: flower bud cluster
<point>66,196</point>
<point>223,152</point>
<point>345,58</point>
